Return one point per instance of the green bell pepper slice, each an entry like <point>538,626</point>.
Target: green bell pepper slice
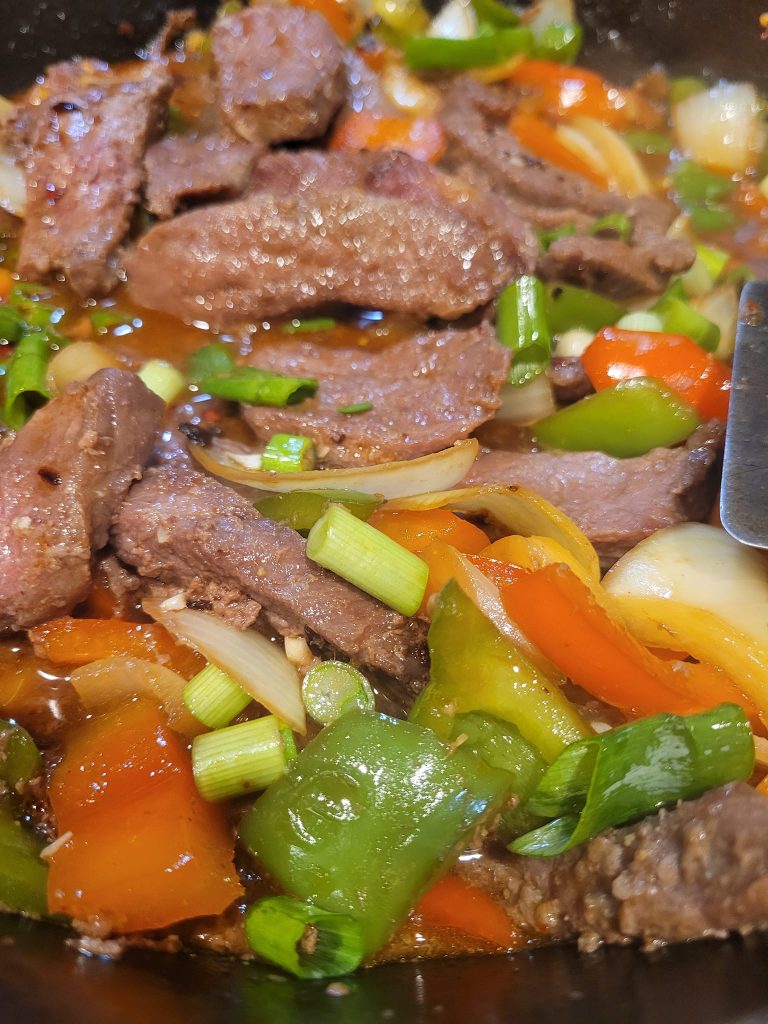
<point>23,876</point>
<point>475,668</point>
<point>566,307</point>
<point>627,420</point>
<point>423,53</point>
<point>367,817</point>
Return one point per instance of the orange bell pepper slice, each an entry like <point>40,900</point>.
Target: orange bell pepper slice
<point>344,16</point>
<point>540,138</point>
<point>416,530</point>
<point>561,91</point>
<point>703,381</point>
<point>70,641</point>
<point>422,137</point>
<point>560,615</point>
<point>454,903</point>
<point>145,849</point>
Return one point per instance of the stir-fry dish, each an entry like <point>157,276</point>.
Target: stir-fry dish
<point>364,379</point>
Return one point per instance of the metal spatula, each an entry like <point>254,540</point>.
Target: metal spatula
<point>744,497</point>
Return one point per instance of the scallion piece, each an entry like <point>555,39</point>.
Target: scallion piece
<point>423,53</point>
<point>302,939</point>
<point>258,387</point>
<point>25,388</point>
<point>567,307</point>
<point>632,771</point>
<point>239,759</point>
<point>680,318</point>
<point>163,379</point>
<point>301,509</point>
<point>367,558</point>
<point>559,41</point>
<point>521,325</point>
<point>213,698</point>
<point>641,320</point>
<point>209,361</point>
<point>321,323</point>
<point>650,143</point>
<point>11,324</point>
<point>618,224</point>
<point>353,410</point>
<point>333,687</point>
<point>546,238</point>
<point>706,271</point>
<point>289,453</point>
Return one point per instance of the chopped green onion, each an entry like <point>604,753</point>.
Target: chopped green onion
<point>258,387</point>
<point>680,318</point>
<point>353,410</point>
<point>163,379</point>
<point>332,688</point>
<point>11,324</point>
<point>25,388</point>
<point>301,509</point>
<point>103,319</point>
<point>501,745</point>
<point>423,53</point>
<point>707,269</point>
<point>322,323</point>
<point>650,143</point>
<point>567,307</point>
<point>642,320</point>
<point>289,453</point>
<point>213,698</point>
<point>559,41</point>
<point>630,772</point>
<point>209,361</point>
<point>618,224</point>
<point>495,13</point>
<point>521,326</point>
<point>239,759</point>
<point>367,558</point>
<point>681,88</point>
<point>546,238</point>
<point>629,419</point>
<point>36,314</point>
<point>302,939</point>
<point>20,760</point>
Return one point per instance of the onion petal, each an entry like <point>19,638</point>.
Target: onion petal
<point>392,480</point>
<point>102,683</point>
<point>514,509</point>
<point>253,661</point>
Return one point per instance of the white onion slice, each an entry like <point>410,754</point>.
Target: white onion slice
<point>13,186</point>
<point>549,12</point>
<point>102,683</point>
<point>622,163</point>
<point>721,306</point>
<point>457,20</point>
<point>721,128</point>
<point>392,480</point>
<point>253,661</point>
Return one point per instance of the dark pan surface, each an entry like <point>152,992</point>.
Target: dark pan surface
<point>43,981</point>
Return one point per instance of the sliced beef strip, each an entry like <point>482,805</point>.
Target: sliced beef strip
<point>549,197</point>
<point>569,379</point>
<point>436,251</point>
<point>85,169</point>
<point>180,169</point>
<point>616,502</point>
<point>184,528</point>
<point>427,391</point>
<point>281,72</point>
<point>697,871</point>
<point>61,479</point>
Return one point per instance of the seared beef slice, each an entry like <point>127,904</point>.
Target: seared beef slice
<point>696,871</point>
<point>181,527</point>
<point>616,502</point>
<point>84,172</point>
<point>61,480</point>
<point>426,391</point>
<point>181,169</point>
<point>281,72</point>
<point>384,232</point>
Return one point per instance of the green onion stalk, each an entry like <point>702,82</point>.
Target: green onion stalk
<point>521,325</point>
